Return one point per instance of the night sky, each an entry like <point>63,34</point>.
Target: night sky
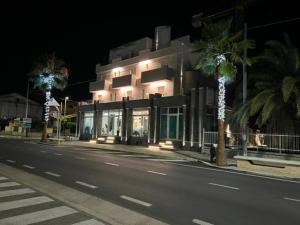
<point>82,32</point>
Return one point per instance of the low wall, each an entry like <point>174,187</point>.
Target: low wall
<point>274,166</point>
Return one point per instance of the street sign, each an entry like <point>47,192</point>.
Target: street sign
<point>26,125</point>
<point>27,120</point>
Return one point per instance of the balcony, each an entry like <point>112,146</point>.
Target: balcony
<point>98,85</point>
<point>122,81</point>
<point>163,73</point>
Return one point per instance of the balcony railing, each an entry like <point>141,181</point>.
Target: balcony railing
<point>122,81</point>
<point>163,73</point>
<point>99,85</point>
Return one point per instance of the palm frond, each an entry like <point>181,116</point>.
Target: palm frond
<point>259,100</point>
<point>287,87</point>
<point>268,108</point>
<point>228,70</point>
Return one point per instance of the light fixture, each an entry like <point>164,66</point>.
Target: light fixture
<point>157,84</point>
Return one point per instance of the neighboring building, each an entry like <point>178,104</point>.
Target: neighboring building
<point>148,93</point>
<point>13,105</point>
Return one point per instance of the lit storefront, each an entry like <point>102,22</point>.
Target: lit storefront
<point>140,122</point>
<point>111,123</point>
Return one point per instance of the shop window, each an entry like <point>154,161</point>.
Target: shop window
<point>111,122</point>
<point>140,122</point>
<point>88,123</point>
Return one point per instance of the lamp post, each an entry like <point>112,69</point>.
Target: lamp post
<point>66,98</point>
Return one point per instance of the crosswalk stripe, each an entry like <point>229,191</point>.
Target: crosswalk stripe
<point>89,222</point>
<point>24,202</point>
<point>38,216</point>
<point>9,184</point>
<point>3,178</point>
<point>16,192</point>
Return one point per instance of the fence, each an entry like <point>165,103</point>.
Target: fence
<point>281,143</point>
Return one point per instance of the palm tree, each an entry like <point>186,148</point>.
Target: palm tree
<point>219,52</point>
<point>49,72</point>
<point>275,95</point>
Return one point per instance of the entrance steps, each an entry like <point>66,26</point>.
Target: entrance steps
<point>106,140</point>
<point>166,145</point>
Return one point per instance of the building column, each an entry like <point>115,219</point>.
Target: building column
<point>202,96</point>
<point>127,124</point>
<point>184,125</point>
<point>149,124</point>
<point>79,123</point>
<point>192,114</point>
<point>155,125</point>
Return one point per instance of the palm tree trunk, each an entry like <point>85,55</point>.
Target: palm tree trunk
<point>221,159</point>
<point>44,133</point>
<point>47,108</point>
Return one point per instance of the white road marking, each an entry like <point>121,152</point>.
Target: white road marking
<point>292,199</point>
<point>168,160</point>
<point>239,173</point>
<point>85,184</point>
<point>9,184</point>
<point>58,154</point>
<point>136,201</point>
<point>225,186</point>
<point>11,161</point>
<point>23,203</point>
<point>44,151</point>
<point>82,158</point>
<point>38,216</point>
<point>29,167</point>
<point>53,174</point>
<point>3,178</point>
<point>89,222</point>
<point>111,164</point>
<point>137,156</point>
<point>16,192</point>
<point>150,171</point>
<point>201,222</point>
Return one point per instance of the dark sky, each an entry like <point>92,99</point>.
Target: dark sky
<point>82,32</point>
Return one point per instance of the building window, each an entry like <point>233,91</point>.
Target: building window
<point>111,122</point>
<point>88,123</point>
<point>129,94</point>
<point>140,122</point>
<point>171,123</point>
<point>100,98</point>
<point>161,90</point>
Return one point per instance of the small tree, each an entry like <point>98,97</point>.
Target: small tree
<point>219,52</point>
<point>48,72</point>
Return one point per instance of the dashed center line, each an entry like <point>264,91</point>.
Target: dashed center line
<point>201,222</point>
<point>292,199</point>
<point>43,151</point>
<point>81,158</point>
<point>29,167</point>
<point>86,184</point>
<point>58,154</point>
<point>135,201</point>
<point>10,161</point>
<point>111,164</point>
<point>3,178</point>
<point>53,174</point>
<point>225,186</point>
<point>150,171</point>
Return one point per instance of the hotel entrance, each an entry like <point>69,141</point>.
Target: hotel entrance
<point>171,123</point>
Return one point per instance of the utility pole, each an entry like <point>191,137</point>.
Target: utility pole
<point>26,110</point>
<point>245,127</point>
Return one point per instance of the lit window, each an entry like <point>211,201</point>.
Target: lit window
<point>140,121</point>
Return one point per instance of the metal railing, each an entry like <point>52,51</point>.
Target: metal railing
<point>281,143</point>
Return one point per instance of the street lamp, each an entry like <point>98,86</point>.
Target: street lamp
<point>66,98</point>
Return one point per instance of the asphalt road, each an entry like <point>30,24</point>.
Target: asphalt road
<point>175,194</point>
